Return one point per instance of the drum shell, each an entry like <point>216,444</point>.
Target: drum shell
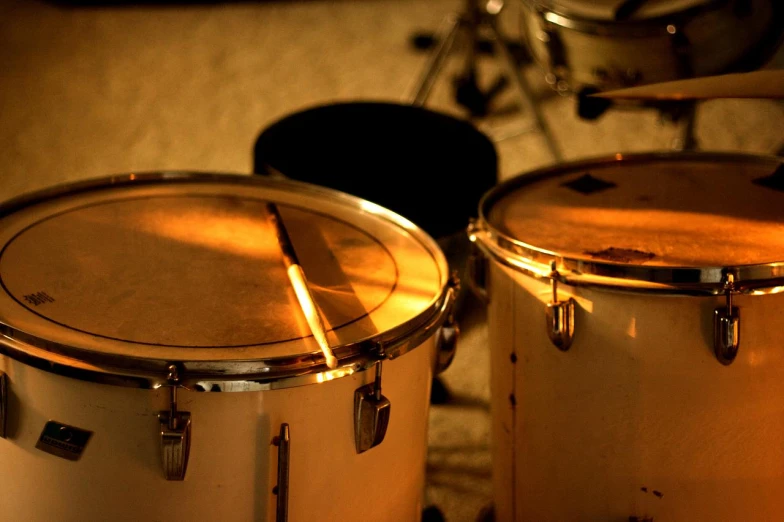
<point>637,418</point>
<point>233,465</point>
<point>610,55</point>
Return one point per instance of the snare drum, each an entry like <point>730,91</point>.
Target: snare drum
<point>635,309</point>
<point>583,43</point>
<point>156,364</point>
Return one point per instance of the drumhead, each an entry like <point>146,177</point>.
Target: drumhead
<point>187,268</point>
<point>604,10</point>
<point>672,218</point>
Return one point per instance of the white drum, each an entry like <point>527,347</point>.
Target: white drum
<point>635,310</point>
<point>603,45</point>
<point>156,364</point>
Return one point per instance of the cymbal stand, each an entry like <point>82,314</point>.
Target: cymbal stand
<point>474,19</point>
<point>687,141</point>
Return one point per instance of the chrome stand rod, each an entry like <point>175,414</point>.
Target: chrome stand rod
<point>446,39</point>
<point>526,93</point>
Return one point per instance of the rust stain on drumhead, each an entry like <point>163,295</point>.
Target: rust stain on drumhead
<point>673,208</point>
<point>588,184</point>
<point>622,255</point>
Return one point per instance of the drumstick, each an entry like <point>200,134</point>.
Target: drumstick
<point>763,84</point>
<point>300,284</point>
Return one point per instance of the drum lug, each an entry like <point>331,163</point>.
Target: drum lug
<point>283,442</point>
<point>726,326</point>
<point>175,434</point>
<point>3,404</point>
<point>371,414</point>
<point>477,267</point>
<point>560,316</point>
<point>449,332</point>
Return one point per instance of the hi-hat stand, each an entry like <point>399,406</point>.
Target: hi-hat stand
<point>473,21</point>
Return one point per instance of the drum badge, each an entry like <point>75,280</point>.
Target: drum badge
<point>63,441</point>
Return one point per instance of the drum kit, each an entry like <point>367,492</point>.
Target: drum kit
<point>194,346</point>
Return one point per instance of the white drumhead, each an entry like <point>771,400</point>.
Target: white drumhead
<point>193,271</point>
<point>669,211</point>
<point>605,9</point>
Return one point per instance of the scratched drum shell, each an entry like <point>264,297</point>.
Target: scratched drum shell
<point>115,291</point>
<point>634,311</point>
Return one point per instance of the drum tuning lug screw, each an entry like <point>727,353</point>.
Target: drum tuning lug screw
<point>175,429</point>
<point>174,374</point>
<point>726,325</point>
<point>560,315</point>
<point>371,413</point>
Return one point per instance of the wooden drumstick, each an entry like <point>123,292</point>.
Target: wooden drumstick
<point>762,84</point>
<point>300,284</point>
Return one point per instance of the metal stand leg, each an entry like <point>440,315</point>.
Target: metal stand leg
<point>526,94</point>
<point>687,140</point>
<point>468,92</point>
<point>436,61</point>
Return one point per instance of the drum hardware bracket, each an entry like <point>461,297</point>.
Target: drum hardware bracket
<point>477,267</point>
<point>560,316</point>
<point>726,325</point>
<point>371,413</point>
<point>3,405</point>
<point>449,332</point>
<point>281,490</point>
<point>175,432</point>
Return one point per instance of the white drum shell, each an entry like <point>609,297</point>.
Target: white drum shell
<point>603,54</point>
<point>637,418</point>
<point>233,465</point>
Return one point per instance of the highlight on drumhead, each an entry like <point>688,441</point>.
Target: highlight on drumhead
<point>193,268</point>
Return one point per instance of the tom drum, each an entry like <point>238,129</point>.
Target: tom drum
<point>635,310</point>
<point>156,364</point>
<point>610,44</point>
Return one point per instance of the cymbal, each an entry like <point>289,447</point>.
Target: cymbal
<point>755,84</point>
